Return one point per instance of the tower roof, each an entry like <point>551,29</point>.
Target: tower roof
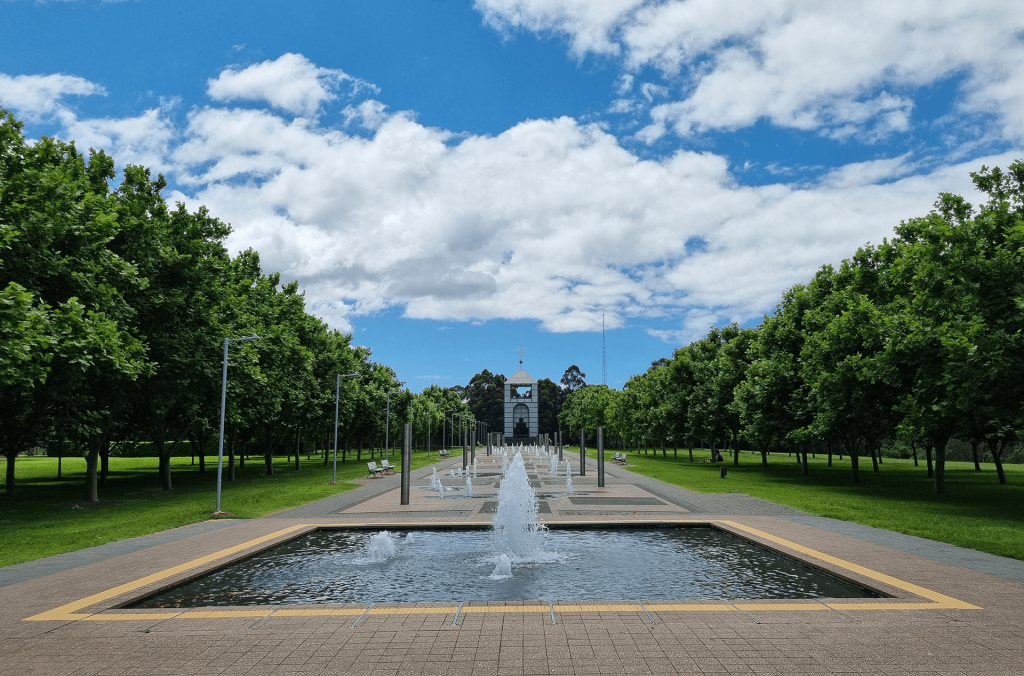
<point>521,377</point>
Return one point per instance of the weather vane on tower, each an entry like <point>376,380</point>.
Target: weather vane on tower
<point>520,355</point>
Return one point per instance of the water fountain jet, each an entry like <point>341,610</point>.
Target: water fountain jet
<point>382,547</point>
<point>516,530</point>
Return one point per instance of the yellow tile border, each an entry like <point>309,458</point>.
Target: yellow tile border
<point>68,611</point>
<point>71,611</point>
<point>938,600</point>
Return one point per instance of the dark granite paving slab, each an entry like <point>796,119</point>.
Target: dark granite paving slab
<point>437,513</point>
<point>31,570</point>
<point>616,501</point>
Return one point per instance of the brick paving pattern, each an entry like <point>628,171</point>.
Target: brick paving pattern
<point>566,637</point>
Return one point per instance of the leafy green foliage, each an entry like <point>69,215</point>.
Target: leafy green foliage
<point>114,309</point>
<point>920,338</point>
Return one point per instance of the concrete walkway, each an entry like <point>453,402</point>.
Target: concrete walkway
<point>950,611</point>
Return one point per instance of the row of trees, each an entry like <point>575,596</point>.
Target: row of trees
<point>113,312</point>
<point>917,339</point>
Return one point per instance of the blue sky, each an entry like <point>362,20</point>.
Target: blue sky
<point>451,180</point>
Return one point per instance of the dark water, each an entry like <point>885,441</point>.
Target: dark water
<point>453,566</point>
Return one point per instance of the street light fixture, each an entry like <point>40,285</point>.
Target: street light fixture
<point>444,419</point>
<point>387,426</point>
<point>223,401</point>
<point>430,413</point>
<point>337,396</point>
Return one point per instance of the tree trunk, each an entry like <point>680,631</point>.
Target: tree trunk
<point>874,458</point>
<point>164,455</point>
<point>359,453</point>
<point>764,457</point>
<point>928,457</point>
<point>92,493</point>
<point>202,441</point>
<point>691,451</point>
<point>10,471</point>
<point>268,454</point>
<point>996,449</point>
<point>104,463</point>
<point>913,447</point>
<point>804,469</point>
<point>830,453</point>
<point>940,467</point>
<point>165,472</point>
<point>974,451</point>
<point>664,453</point>
<point>60,457</point>
<point>231,459</point>
<point>298,445</point>
<point>854,454</point>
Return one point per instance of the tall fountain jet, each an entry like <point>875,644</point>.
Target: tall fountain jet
<point>516,531</point>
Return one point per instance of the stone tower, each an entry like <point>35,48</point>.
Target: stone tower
<point>522,407</point>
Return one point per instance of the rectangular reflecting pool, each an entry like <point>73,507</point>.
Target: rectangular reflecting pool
<point>336,566</point>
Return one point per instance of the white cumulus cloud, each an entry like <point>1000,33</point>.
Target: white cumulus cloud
<point>36,96</point>
<point>552,220</point>
<point>291,83</point>
<point>842,67</point>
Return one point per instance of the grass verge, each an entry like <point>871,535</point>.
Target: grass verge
<point>976,512</point>
<point>48,516</point>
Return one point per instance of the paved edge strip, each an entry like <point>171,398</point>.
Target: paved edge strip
<point>939,600</point>
<point>69,611</point>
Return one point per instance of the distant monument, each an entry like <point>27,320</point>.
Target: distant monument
<point>522,406</point>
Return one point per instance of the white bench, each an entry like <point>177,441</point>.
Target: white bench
<point>373,469</point>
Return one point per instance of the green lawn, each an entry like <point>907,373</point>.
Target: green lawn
<point>976,512</point>
<point>48,516</point>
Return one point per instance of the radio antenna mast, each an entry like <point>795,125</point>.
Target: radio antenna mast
<point>604,356</point>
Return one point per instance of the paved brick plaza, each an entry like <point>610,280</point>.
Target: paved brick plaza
<point>952,611</point>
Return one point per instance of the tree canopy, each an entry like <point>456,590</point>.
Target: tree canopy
<point>114,308</point>
<point>919,337</point>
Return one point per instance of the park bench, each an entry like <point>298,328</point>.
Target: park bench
<point>373,469</point>
<point>387,466</point>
